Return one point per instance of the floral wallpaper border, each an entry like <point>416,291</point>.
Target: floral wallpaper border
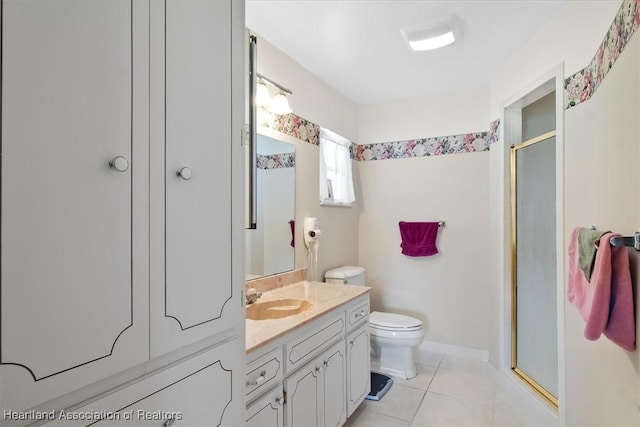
<point>494,132</point>
<point>302,129</point>
<point>424,147</point>
<point>293,125</point>
<point>276,161</point>
<point>582,85</point>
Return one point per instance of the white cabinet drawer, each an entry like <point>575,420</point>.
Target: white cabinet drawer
<point>307,345</point>
<point>357,313</point>
<point>197,392</point>
<point>263,373</point>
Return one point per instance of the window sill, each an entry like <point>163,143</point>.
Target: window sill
<point>328,202</point>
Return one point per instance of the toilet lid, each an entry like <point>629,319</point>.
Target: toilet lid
<point>393,321</point>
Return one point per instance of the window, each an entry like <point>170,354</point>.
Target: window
<point>336,180</point>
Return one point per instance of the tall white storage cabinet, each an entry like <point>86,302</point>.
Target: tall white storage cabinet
<point>121,200</point>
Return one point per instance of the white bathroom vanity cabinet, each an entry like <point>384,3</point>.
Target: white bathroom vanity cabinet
<point>121,197</point>
<point>315,375</point>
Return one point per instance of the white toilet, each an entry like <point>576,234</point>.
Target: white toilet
<point>393,336</point>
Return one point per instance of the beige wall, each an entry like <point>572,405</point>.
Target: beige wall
<point>441,114</point>
<point>601,187</point>
<point>450,291</point>
<point>317,102</point>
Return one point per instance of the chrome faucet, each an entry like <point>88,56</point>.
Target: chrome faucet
<point>252,295</point>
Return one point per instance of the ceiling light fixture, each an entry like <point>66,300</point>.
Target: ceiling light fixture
<point>279,104</point>
<point>431,35</point>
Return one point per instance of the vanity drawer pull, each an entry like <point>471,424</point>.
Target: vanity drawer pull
<point>258,380</point>
<point>262,373</point>
<point>359,313</point>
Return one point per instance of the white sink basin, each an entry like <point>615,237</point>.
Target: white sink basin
<point>277,309</point>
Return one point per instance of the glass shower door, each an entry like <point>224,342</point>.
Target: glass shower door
<point>534,339</point>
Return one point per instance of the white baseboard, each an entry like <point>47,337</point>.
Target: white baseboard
<point>422,352</point>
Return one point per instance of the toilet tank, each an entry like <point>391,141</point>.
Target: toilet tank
<point>347,275</point>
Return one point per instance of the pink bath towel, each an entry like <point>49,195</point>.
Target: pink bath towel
<point>605,303</point>
<point>418,238</point>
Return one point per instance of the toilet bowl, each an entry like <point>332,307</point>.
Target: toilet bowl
<point>393,339</point>
<point>393,336</point>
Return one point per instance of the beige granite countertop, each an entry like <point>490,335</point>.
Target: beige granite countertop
<point>323,296</point>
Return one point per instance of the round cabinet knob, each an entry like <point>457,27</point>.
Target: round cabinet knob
<point>119,164</point>
<point>184,173</point>
<point>327,363</point>
<point>318,369</point>
<point>280,401</point>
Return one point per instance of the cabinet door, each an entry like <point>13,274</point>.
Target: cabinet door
<point>268,411</point>
<point>334,395</point>
<point>316,394</point>
<point>304,394</point>
<point>358,368</point>
<point>72,311</point>
<point>195,295</point>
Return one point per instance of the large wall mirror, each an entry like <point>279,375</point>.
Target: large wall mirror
<point>270,247</point>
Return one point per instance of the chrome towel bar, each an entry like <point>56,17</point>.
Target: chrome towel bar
<point>630,241</point>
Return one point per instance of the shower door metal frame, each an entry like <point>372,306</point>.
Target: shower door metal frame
<point>514,270</point>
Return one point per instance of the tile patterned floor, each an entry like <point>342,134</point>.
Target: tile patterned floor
<point>451,391</point>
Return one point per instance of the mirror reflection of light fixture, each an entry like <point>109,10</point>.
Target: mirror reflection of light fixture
<point>279,104</point>
<point>431,35</point>
<point>263,99</point>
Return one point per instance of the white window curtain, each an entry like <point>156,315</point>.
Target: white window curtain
<point>336,178</point>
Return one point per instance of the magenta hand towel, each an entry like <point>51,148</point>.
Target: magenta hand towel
<point>605,303</point>
<point>292,225</point>
<point>418,238</point>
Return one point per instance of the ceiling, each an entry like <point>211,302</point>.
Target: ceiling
<point>356,47</point>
